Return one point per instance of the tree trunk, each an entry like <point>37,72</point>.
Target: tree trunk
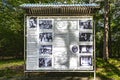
<point>106,30</point>
<point>110,39</point>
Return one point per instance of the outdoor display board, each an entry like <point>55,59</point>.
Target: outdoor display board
<point>59,43</point>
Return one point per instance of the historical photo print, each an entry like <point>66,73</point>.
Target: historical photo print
<point>45,37</point>
<point>85,37</point>
<point>85,24</point>
<point>74,49</point>
<point>85,60</point>
<point>45,49</point>
<point>33,22</point>
<point>45,24</point>
<point>85,48</point>
<point>45,62</point>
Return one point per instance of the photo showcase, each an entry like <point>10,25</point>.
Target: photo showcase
<point>59,44</point>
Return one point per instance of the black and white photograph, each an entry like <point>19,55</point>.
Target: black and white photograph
<point>85,60</point>
<point>45,24</point>
<point>74,49</point>
<point>33,22</point>
<point>45,62</point>
<point>45,37</point>
<point>85,48</point>
<point>85,37</point>
<point>85,24</point>
<point>45,49</point>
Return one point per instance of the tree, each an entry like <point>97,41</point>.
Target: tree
<point>11,29</point>
<point>115,28</point>
<point>106,29</point>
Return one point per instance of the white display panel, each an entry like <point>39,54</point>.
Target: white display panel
<point>59,43</point>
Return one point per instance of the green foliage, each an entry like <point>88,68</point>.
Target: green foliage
<point>11,29</point>
<point>114,29</point>
<point>11,26</point>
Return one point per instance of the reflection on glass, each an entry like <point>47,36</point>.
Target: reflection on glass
<point>61,25</point>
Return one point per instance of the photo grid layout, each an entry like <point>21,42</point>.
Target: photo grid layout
<point>45,47</point>
<point>85,37</point>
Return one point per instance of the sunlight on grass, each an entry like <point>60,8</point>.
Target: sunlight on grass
<point>108,70</point>
<point>8,68</point>
<point>9,63</point>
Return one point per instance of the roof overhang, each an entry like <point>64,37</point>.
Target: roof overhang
<point>60,9</point>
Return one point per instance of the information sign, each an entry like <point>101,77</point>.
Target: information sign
<point>59,43</point>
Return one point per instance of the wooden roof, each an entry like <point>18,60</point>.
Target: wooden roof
<point>60,9</point>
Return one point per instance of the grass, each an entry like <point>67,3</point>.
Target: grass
<point>11,69</point>
<point>108,70</point>
<point>8,68</point>
<point>9,63</point>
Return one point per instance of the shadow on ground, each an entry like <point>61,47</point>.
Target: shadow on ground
<point>59,76</point>
<point>109,70</point>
